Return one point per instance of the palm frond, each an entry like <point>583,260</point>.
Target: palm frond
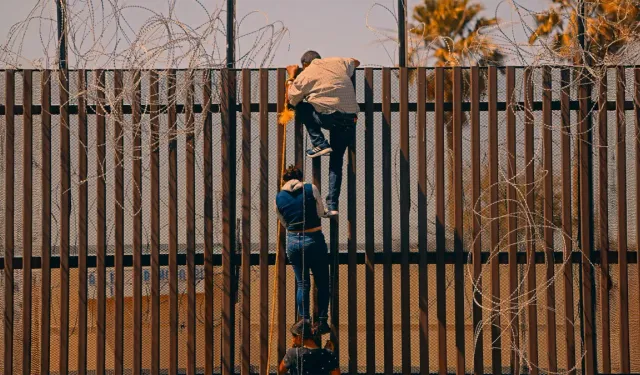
<point>611,24</point>
<point>451,32</point>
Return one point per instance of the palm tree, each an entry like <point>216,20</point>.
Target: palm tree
<point>610,26</point>
<point>450,33</point>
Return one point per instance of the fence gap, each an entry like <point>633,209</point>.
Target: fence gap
<point>369,222</point>
<point>173,222</point>
<point>82,221</point>
<point>567,225</point>
<point>623,273</point>
<point>27,219</point>
<point>154,98</point>
<point>405,206</point>
<point>352,243</point>
<point>191,227</point>
<point>636,108</point>
<point>386,220</point>
<point>531,298</point>
<point>604,223</point>
<point>548,219</point>
<point>458,223</point>
<point>478,354</point>
<point>440,222</point>
<point>423,286</point>
<point>584,145</point>
<point>65,215</point>
<point>119,221</point>
<point>45,291</point>
<point>246,222</point>
<point>281,272</point>
<point>264,220</point>
<point>228,148</point>
<point>496,334</point>
<point>101,228</point>
<point>208,221</point>
<point>137,223</point>
<point>9,154</point>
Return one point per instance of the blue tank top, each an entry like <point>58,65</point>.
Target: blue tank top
<point>297,209</point>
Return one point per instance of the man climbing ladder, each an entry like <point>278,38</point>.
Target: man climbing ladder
<point>324,98</point>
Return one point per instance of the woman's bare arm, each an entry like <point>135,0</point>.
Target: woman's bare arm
<point>282,369</point>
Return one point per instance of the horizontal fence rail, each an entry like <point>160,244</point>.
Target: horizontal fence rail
<point>540,257</point>
<point>272,107</point>
<point>138,230</point>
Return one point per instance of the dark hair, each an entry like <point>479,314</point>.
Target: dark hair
<point>309,56</point>
<point>302,328</point>
<point>305,329</point>
<point>292,173</point>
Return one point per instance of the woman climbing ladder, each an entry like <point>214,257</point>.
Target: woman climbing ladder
<point>298,205</point>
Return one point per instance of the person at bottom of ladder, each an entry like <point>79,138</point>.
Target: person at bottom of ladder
<point>306,357</point>
<point>297,205</point>
<point>324,98</point>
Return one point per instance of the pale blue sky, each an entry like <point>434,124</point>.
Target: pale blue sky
<point>332,27</point>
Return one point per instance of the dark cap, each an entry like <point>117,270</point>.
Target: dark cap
<point>302,328</point>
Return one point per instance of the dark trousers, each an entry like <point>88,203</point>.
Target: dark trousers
<point>307,252</point>
<point>342,131</point>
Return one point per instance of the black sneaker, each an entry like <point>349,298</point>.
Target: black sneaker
<point>323,327</point>
<point>319,151</point>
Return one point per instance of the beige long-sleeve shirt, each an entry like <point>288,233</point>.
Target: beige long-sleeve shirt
<point>326,84</point>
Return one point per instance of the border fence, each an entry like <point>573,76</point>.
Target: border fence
<point>138,227</point>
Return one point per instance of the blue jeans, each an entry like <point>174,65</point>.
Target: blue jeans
<point>342,130</point>
<point>308,252</point>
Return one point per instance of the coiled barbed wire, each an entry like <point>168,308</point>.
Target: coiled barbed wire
<point>588,67</point>
<point>136,39</point>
